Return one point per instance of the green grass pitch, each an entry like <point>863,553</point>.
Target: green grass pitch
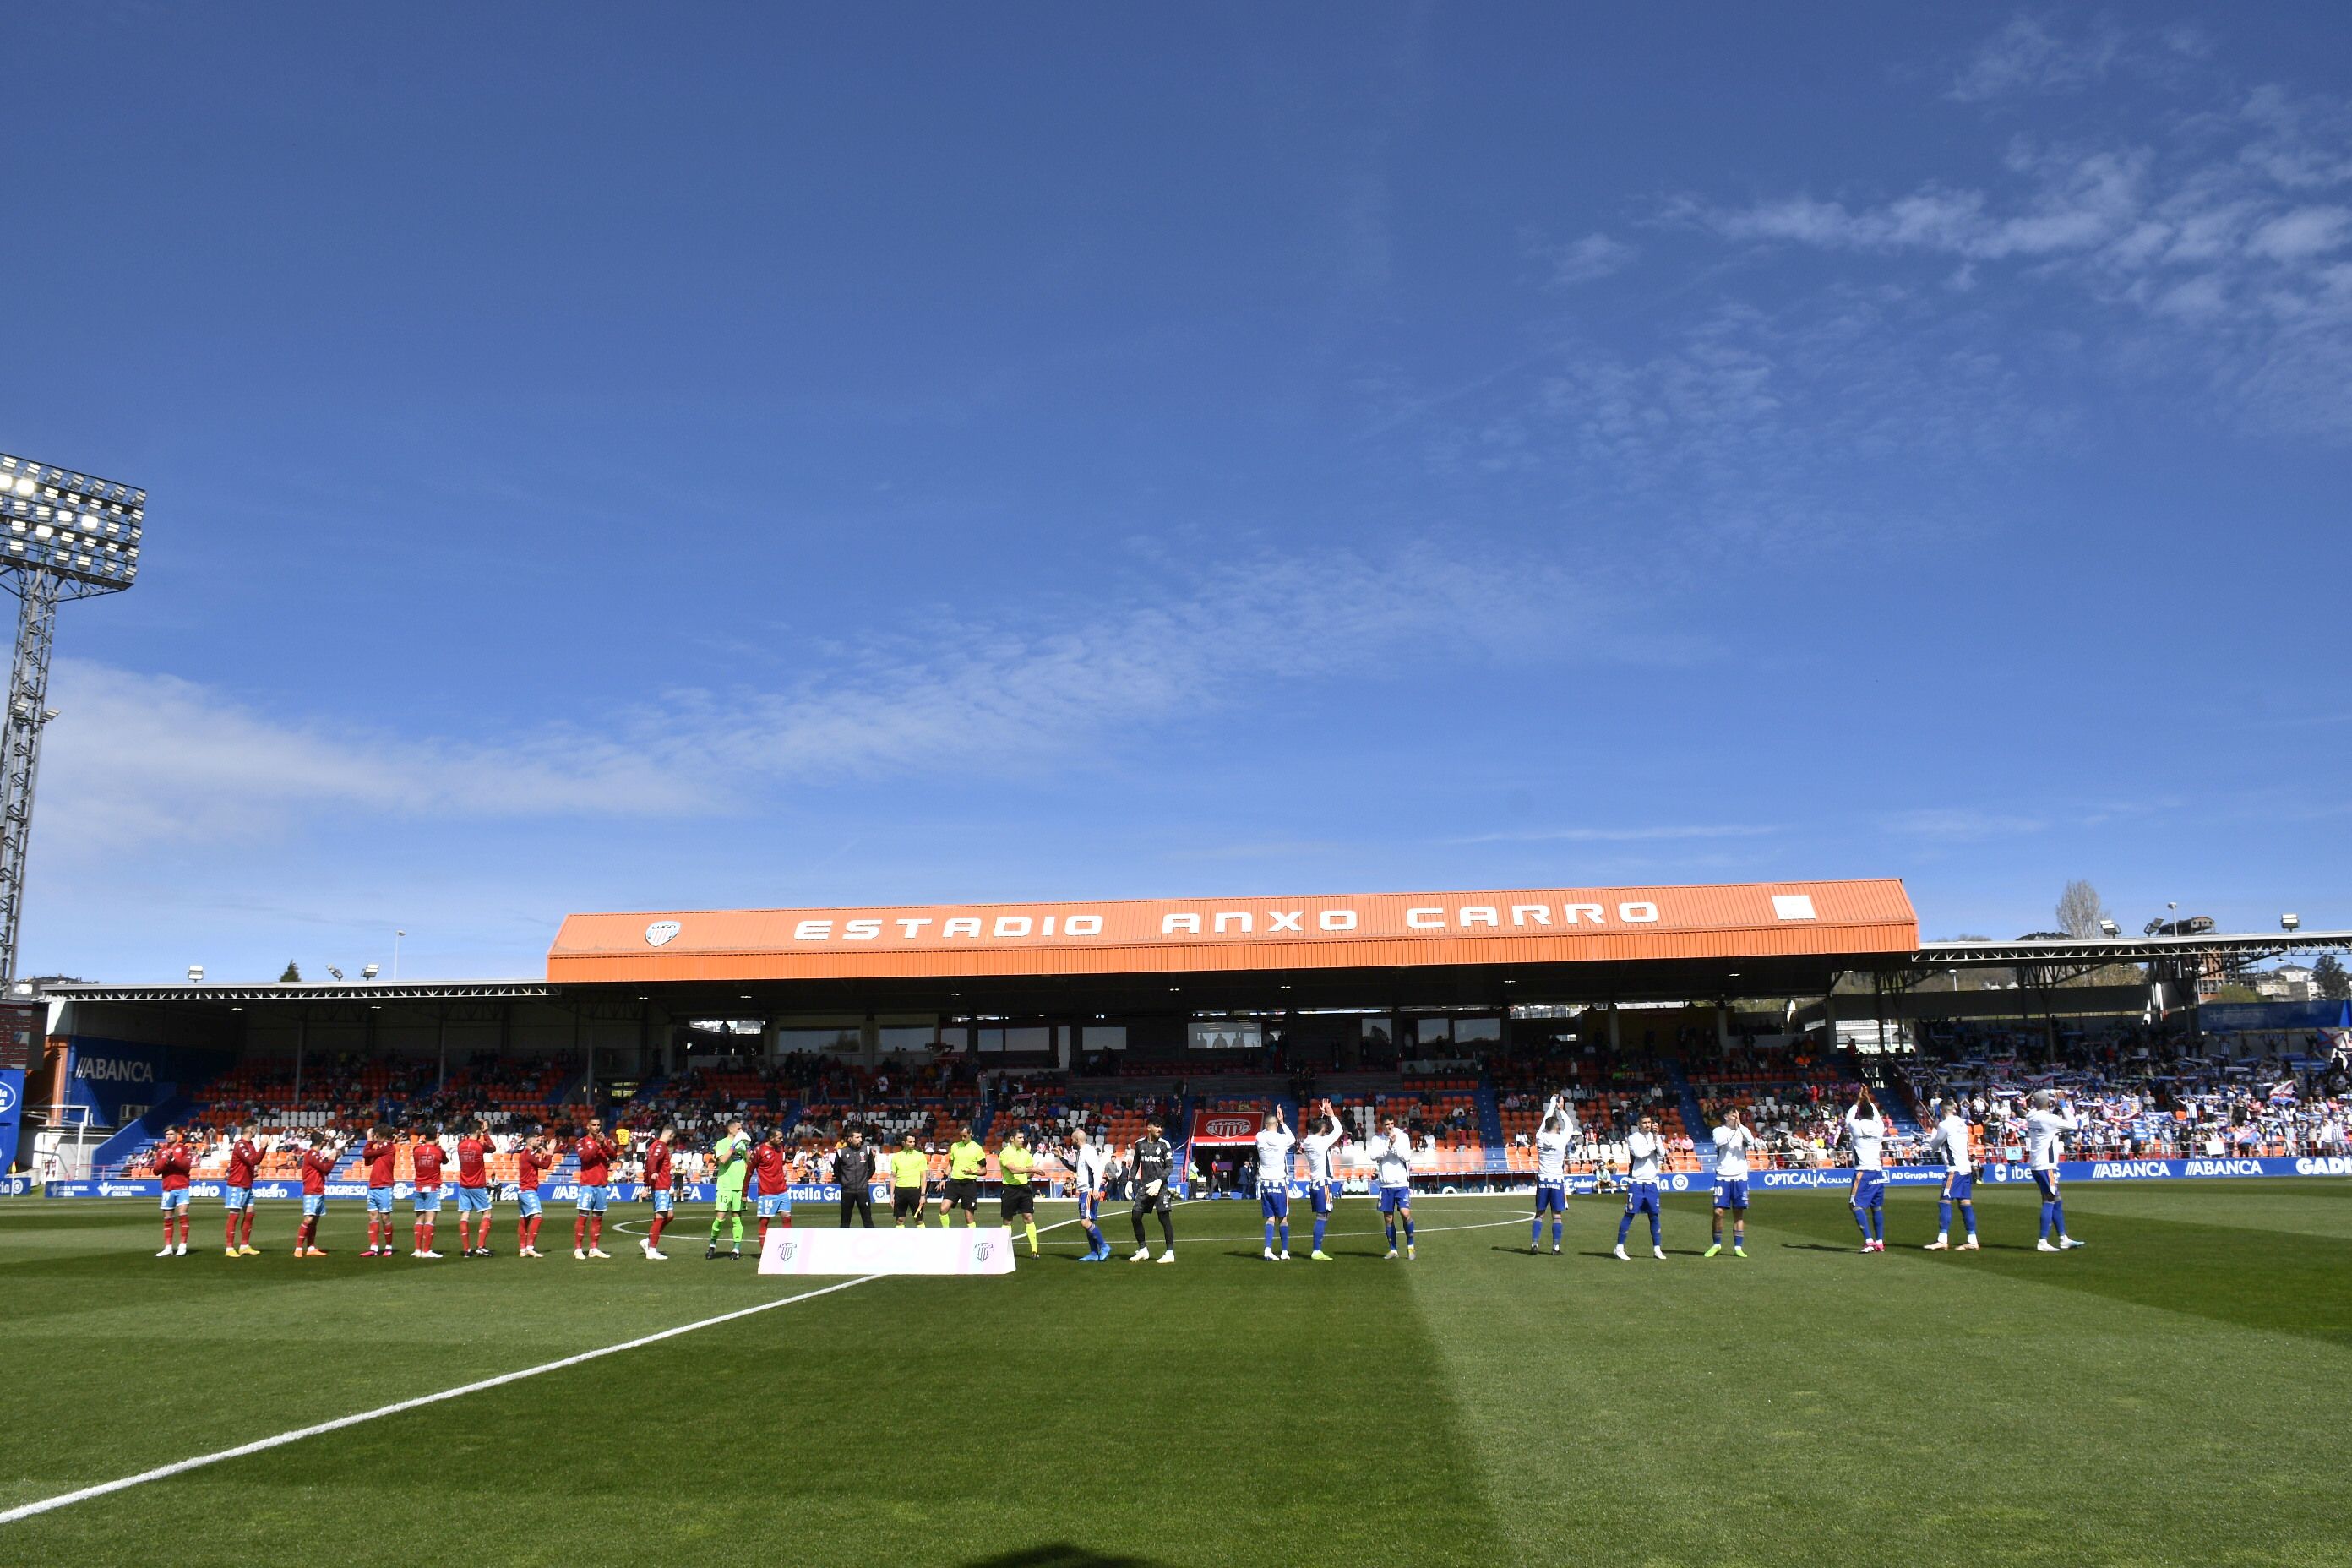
<point>2175,1392</point>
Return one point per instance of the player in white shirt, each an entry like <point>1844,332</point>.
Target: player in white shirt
<point>1865,1129</point>
<point>1732,1143</point>
<point>2046,1126</point>
<point>1947,1141</point>
<point>1090,1174</point>
<point>1322,1179</point>
<point>1392,1154</point>
<point>1553,1142</point>
<point>1273,1145</point>
<point>1646,1152</point>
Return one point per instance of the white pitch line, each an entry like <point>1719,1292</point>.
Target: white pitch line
<point>180,1467</point>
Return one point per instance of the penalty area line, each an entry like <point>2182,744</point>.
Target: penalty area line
<point>162,1472</point>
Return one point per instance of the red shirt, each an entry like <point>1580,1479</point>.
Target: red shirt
<point>768,1163</point>
<point>243,1160</point>
<point>380,1157</point>
<point>596,1158</point>
<point>473,1154</point>
<point>318,1165</point>
<point>172,1162</point>
<point>426,1158</point>
<point>657,1165</point>
<point>529,1171</point>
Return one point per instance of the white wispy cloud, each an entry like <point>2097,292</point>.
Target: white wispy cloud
<point>1961,823</point>
<point>1621,835</point>
<point>1583,260</point>
<point>2037,53</point>
<point>143,758</point>
<point>2228,232</point>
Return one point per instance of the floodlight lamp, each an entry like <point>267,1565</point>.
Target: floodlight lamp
<point>196,973</point>
<point>371,971</point>
<point>2107,926</point>
<point>333,971</point>
<point>2289,922</point>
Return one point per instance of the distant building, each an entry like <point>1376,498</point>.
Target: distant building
<point>2287,982</point>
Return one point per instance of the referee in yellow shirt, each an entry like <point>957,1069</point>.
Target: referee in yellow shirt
<point>967,1163</point>
<point>1014,1163</point>
<point>911,1171</point>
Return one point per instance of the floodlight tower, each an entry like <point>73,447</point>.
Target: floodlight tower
<point>63,535</point>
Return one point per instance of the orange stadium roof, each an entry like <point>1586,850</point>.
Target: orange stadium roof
<point>1170,936</point>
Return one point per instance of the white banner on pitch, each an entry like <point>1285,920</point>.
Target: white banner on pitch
<point>967,1249</point>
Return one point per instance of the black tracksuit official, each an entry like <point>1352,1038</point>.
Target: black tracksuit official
<point>853,1167</point>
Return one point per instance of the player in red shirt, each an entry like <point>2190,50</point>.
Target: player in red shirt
<point>425,1159</point>
<point>383,1157</point>
<point>533,1160</point>
<point>236,1190</point>
<point>474,1150</point>
<point>773,1170</point>
<point>659,1179</point>
<point>318,1162</point>
<point>173,1162</point>
<point>595,1153</point>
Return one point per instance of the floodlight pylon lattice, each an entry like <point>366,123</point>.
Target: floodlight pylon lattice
<point>63,535</point>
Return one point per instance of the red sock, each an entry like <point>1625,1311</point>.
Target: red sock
<point>522,1234</point>
<point>596,1230</point>
<point>246,1237</point>
<point>429,1228</point>
<point>185,1221</point>
<point>232,1230</point>
<point>788,1219</point>
<point>763,1236</point>
<point>653,1237</point>
<point>579,1231</point>
<point>167,1231</point>
<point>535,1229</point>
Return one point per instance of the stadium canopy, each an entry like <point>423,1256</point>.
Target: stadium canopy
<point>1493,947</point>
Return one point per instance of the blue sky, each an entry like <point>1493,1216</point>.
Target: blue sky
<point>611,458</point>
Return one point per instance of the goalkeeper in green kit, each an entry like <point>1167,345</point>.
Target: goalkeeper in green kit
<point>729,1166</point>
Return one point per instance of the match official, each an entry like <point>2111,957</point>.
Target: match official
<point>967,1163</point>
<point>910,1168</point>
<point>853,1167</point>
<point>1016,1199</point>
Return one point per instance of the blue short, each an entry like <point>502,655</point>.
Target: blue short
<point>235,1198</point>
<point>1273,1202</point>
<point>1321,1193</point>
<point>473,1200</point>
<point>774,1203</point>
<point>1090,1205</point>
<point>1395,1198</point>
<point>1731,1192</point>
<point>177,1198</point>
<point>526,1200</point>
<point>2047,1182</point>
<point>664,1202</point>
<point>426,1200</point>
<point>1958,1184</point>
<point>592,1200</point>
<point>378,1200</point>
<point>1552,1195</point>
<point>1641,1198</point>
<point>314,1205</point>
<point>1871,1193</point>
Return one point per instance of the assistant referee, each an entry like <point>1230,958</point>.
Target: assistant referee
<point>853,1167</point>
<point>1017,1197</point>
<point>910,1168</point>
<point>967,1163</point>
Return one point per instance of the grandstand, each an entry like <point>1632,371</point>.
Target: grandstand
<point>1457,1014</point>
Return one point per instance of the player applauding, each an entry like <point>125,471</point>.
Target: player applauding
<point>595,1153</point>
<point>474,1189</point>
<point>1275,1143</point>
<point>533,1160</point>
<point>173,1162</point>
<point>1552,1141</point>
<point>237,1191</point>
<point>425,1159</point>
<point>1733,1142</point>
<point>658,1179</point>
<point>317,1163</point>
<point>382,1156</point>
